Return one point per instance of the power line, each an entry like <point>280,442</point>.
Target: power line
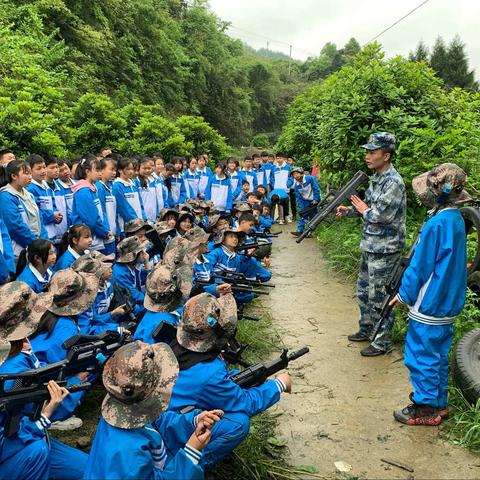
<point>398,21</point>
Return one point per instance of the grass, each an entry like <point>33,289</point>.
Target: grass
<point>339,242</point>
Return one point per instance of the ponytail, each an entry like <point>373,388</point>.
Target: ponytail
<point>38,248</point>
<point>73,233</point>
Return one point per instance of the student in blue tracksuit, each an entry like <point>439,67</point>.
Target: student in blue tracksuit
<point>266,166</point>
<point>34,264</point>
<point>204,379</point>
<point>19,210</point>
<point>59,198</point>
<point>307,194</point>
<point>147,187</point>
<point>132,251</point>
<point>250,174</point>
<point>259,171</point>
<point>74,243</point>
<point>66,183</point>
<point>28,454</point>
<point>162,192</point>
<point>192,178</point>
<point>178,190</point>
<point>279,201</point>
<point>163,296</point>
<point>280,176</point>
<point>136,437</point>
<point>108,201</point>
<point>219,190</point>
<point>129,202</point>
<point>434,287</point>
<point>205,173</point>
<point>86,206</point>
<point>7,260</point>
<point>44,197</point>
<point>265,220</point>
<point>237,177</point>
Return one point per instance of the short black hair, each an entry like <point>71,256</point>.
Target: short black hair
<point>245,182</point>
<point>255,155</point>
<point>50,159</point>
<point>264,154</point>
<point>64,161</point>
<point>34,159</point>
<point>282,155</point>
<point>233,160</point>
<point>389,150</point>
<point>248,158</point>
<point>246,217</point>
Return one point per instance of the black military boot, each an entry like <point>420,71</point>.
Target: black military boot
<point>358,337</point>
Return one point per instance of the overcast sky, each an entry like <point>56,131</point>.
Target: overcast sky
<point>308,24</point>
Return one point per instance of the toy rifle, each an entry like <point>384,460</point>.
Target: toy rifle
<point>394,282</point>
<point>343,194</point>
<point>257,374</point>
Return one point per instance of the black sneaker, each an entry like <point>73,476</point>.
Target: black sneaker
<point>372,351</point>
<point>296,234</point>
<point>358,337</point>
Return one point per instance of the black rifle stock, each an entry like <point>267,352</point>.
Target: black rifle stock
<point>235,286</point>
<point>343,194</point>
<point>394,283</point>
<point>257,374</point>
<point>247,246</point>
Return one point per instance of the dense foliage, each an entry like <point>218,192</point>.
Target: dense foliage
<point>332,119</point>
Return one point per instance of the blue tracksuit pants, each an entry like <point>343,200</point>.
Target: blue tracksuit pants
<point>227,434</point>
<point>426,356</point>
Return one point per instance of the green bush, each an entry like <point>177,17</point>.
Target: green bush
<point>330,121</point>
<point>261,140</point>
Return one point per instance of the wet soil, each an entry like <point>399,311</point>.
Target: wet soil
<point>342,403</point>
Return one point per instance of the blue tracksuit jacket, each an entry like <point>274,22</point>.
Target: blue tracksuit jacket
<point>129,202</point>
<point>68,257</point>
<point>236,182</point>
<point>205,175</point>
<point>434,285</point>
<point>33,278</point>
<point>7,260</point>
<point>126,276</point>
<point>219,191</point>
<point>178,191</point>
<point>148,196</point>
<point>157,451</point>
<point>45,200</point>
<point>251,178</point>
<point>280,177</point>
<point>109,206</point>
<point>86,208</point>
<point>191,183</point>
<point>307,191</point>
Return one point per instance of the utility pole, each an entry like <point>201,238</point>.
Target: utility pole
<point>290,62</point>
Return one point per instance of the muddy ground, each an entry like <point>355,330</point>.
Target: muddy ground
<point>341,408</point>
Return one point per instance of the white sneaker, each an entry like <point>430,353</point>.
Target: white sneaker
<point>281,222</point>
<point>71,423</point>
<point>289,219</point>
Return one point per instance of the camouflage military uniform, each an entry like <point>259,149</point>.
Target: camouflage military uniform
<point>383,238</point>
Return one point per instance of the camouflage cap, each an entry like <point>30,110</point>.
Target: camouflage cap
<point>164,211</point>
<point>73,292</point>
<point>381,140</point>
<point>442,184</point>
<point>202,205</point>
<point>135,225</point>
<point>129,248</point>
<point>20,310</point>
<point>207,322</point>
<point>163,289</point>
<point>4,351</point>
<point>214,219</point>
<point>220,236</point>
<point>100,256</point>
<point>139,379</point>
<point>88,264</point>
<point>243,207</point>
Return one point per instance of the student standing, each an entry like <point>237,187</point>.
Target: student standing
<point>219,189</point>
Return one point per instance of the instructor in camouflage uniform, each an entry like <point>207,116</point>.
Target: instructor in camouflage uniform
<point>383,238</point>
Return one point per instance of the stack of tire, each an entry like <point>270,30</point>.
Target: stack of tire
<point>466,354</point>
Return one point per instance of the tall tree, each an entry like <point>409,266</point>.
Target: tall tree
<point>420,54</point>
<point>458,73</point>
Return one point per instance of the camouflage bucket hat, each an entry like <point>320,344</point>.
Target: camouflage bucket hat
<point>129,248</point>
<point>298,170</point>
<point>4,351</point>
<point>221,235</point>
<point>243,207</point>
<point>185,207</point>
<point>442,184</point>
<point>181,260</point>
<point>73,292</point>
<point>162,228</point>
<point>100,256</point>
<point>196,236</point>
<point>135,225</point>
<point>202,205</point>
<point>139,379</point>
<point>183,215</point>
<point>164,211</point>
<point>207,322</point>
<point>163,289</point>
<point>20,310</point>
<point>381,140</point>
<point>93,266</point>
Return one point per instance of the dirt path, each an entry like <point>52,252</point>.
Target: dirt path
<point>341,409</point>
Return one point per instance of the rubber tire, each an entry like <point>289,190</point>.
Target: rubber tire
<point>466,365</point>
<point>471,216</point>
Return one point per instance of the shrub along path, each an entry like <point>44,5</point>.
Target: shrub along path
<point>341,408</point>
